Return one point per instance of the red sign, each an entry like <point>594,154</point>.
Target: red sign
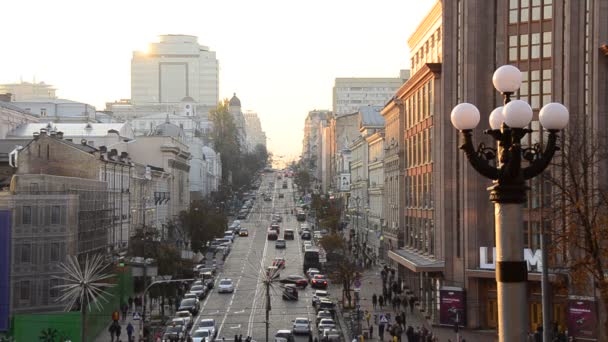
<point>582,319</point>
<point>452,309</point>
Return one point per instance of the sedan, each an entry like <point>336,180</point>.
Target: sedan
<point>301,326</point>
<point>173,333</point>
<point>187,316</point>
<point>226,286</point>
<point>243,232</point>
<point>279,262</point>
<point>297,280</point>
<point>319,282</point>
<point>323,314</point>
<point>331,335</point>
<point>208,324</point>
<point>326,323</point>
<point>199,290</point>
<point>190,305</point>
<point>280,244</point>
<point>202,335</point>
<point>318,295</point>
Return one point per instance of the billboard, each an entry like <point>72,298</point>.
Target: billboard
<point>5,269</point>
<point>452,306</point>
<point>582,319</point>
<point>344,182</point>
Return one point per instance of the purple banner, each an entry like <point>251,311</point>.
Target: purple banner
<point>5,269</point>
<point>582,319</point>
<point>452,308</point>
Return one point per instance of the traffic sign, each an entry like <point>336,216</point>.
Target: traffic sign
<point>383,320</point>
<point>136,316</point>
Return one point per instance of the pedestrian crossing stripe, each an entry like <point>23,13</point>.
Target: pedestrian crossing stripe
<point>383,320</point>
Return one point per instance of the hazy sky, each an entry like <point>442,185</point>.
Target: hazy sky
<point>280,57</point>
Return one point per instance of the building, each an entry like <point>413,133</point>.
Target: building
<point>59,110</point>
<point>12,116</point>
<point>351,93</point>
<point>93,134</point>
<point>26,91</point>
<point>344,130</point>
<point>375,192</point>
<point>150,198</point>
<point>312,141</point>
<point>447,244</point>
<point>234,107</point>
<point>253,130</point>
<point>172,69</point>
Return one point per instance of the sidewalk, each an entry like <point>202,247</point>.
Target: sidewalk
<point>105,336</point>
<point>372,283</point>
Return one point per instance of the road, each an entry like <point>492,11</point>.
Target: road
<point>244,311</point>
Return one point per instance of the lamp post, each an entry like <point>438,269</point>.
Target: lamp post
<point>508,193</point>
<point>357,231</point>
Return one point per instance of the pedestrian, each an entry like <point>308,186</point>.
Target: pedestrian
<point>236,338</point>
<point>130,331</point>
<point>403,319</point>
<point>389,294</point>
<point>409,333</point>
<point>397,303</point>
<point>112,331</point>
<point>118,329</point>
<point>315,339</point>
<point>309,337</point>
<point>381,331</point>
<point>412,300</point>
<point>125,309</point>
<point>368,316</point>
<point>381,302</point>
<point>371,331</point>
<point>374,300</point>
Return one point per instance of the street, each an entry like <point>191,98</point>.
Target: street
<point>243,312</point>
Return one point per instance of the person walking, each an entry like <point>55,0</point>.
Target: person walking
<point>374,301</point>
<point>112,331</point>
<point>381,331</point>
<point>397,303</point>
<point>371,331</point>
<point>124,309</point>
<point>130,301</point>
<point>118,329</point>
<point>409,333</point>
<point>130,331</point>
<point>412,300</point>
<point>381,302</point>
<point>403,319</point>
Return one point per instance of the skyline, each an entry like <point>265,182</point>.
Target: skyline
<point>291,75</point>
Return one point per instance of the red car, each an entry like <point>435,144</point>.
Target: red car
<point>279,262</point>
<point>319,281</point>
<point>296,280</point>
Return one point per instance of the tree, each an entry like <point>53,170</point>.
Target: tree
<point>579,233</point>
<point>84,285</point>
<point>225,138</point>
<point>302,179</point>
<point>202,222</point>
<point>342,269</point>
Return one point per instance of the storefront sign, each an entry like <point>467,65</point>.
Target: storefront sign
<point>532,257</point>
<point>582,322</point>
<point>452,310</point>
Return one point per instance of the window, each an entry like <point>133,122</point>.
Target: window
<point>53,290</point>
<point>55,214</point>
<point>42,112</point>
<point>26,253</point>
<point>55,251</point>
<point>26,215</point>
<point>24,290</point>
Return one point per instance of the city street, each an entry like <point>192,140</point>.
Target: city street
<point>243,312</point>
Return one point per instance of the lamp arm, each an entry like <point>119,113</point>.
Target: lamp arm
<point>481,165</point>
<point>541,163</point>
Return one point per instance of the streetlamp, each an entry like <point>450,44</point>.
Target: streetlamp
<point>357,231</point>
<point>509,190</point>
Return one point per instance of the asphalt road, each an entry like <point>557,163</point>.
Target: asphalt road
<point>244,311</point>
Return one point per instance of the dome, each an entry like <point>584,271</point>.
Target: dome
<point>168,130</point>
<point>187,99</point>
<point>234,101</point>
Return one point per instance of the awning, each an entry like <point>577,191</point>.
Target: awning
<point>416,262</point>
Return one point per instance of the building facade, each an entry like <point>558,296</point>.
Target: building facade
<point>351,93</point>
<point>11,117</point>
<point>25,91</point>
<point>253,129</point>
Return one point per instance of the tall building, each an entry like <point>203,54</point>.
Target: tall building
<point>253,129</point>
<point>448,234</point>
<point>312,141</point>
<point>352,93</point>
<point>175,68</point>
<point>235,109</point>
<point>26,91</point>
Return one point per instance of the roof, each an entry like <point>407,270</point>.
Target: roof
<point>74,129</point>
<point>416,262</point>
<point>168,129</point>
<point>234,101</point>
<point>371,116</point>
<point>11,106</point>
<point>188,99</point>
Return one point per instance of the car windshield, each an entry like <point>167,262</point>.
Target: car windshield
<point>184,314</point>
<point>301,321</point>
<point>196,288</point>
<point>207,323</point>
<point>321,294</point>
<point>283,334</point>
<point>188,302</point>
<point>174,329</point>
<point>201,333</point>
<point>226,282</point>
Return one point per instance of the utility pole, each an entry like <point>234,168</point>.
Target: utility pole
<point>267,307</point>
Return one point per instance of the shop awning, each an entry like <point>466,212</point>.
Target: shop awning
<point>416,262</point>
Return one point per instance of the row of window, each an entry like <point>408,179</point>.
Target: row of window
<point>419,148</point>
<point>25,289</point>
<point>420,105</point>
<point>53,252</point>
<point>419,191</point>
<point>523,11</point>
<point>50,215</point>
<point>420,234</point>
<point>430,52</point>
<point>530,46</point>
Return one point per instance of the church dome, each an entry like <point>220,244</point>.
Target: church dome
<point>168,129</point>
<point>234,101</point>
<point>187,99</point>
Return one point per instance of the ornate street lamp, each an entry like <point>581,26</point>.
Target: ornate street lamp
<point>509,190</point>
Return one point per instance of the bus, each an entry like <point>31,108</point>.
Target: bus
<point>311,258</point>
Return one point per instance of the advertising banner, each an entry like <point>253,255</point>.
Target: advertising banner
<point>344,182</point>
<point>452,307</point>
<point>5,268</point>
<point>582,319</point>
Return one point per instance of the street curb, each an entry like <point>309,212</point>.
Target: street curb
<point>340,317</point>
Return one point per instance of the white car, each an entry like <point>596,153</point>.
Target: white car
<point>226,285</point>
<point>203,335</point>
<point>207,324</point>
<point>283,336</point>
<point>301,326</point>
<point>326,323</point>
<point>317,295</point>
<point>186,315</point>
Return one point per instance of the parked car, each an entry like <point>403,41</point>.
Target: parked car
<point>208,279</point>
<point>229,234</point>
<point>199,290</point>
<point>326,323</point>
<point>319,281</point>
<point>301,325</point>
<point>280,244</point>
<point>323,314</point>
<point>174,333</point>
<point>318,295</point>
<point>306,236</point>
<point>209,324</point>
<point>331,335</point>
<point>226,286</point>
<point>187,316</point>
<point>284,336</point>
<point>202,335</point>
<point>326,304</point>
<point>189,304</point>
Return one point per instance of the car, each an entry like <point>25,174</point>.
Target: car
<point>326,304</point>
<point>276,228</point>
<point>243,232</point>
<point>284,336</point>
<point>229,235</point>
<point>281,195</point>
<point>326,323</point>
<point>242,215</point>
<point>278,218</point>
<point>225,286</point>
<point>288,234</point>
<point>208,279</point>
<point>191,295</point>
<point>202,335</point>
<point>199,290</point>
<point>272,235</point>
<point>306,244</point>
<point>189,304</point>
<point>280,244</point>
<point>296,280</point>
<point>301,325</point>
<point>267,199</point>
<point>318,295</point>
<point>279,262</point>
<point>290,292</point>
<point>311,272</point>
<point>306,236</point>
<point>181,322</point>
<point>323,314</point>
<point>186,315</point>
<point>331,335</point>
<point>211,270</point>
<point>174,333</point>
<point>319,282</point>
<point>208,324</point>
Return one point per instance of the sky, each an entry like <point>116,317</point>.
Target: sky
<point>280,57</point>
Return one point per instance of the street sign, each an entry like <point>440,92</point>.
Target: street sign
<point>383,320</point>
<point>136,316</point>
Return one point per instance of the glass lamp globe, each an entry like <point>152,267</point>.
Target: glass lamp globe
<point>497,118</point>
<point>554,116</point>
<point>465,116</point>
<point>517,114</point>
<point>507,79</point>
